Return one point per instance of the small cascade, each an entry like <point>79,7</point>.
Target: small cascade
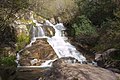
<point>40,32</point>
<point>58,42</point>
<point>36,32</point>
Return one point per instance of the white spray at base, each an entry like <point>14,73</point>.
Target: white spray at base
<point>58,42</point>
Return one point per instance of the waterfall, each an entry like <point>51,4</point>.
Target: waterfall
<point>36,32</point>
<point>58,42</point>
<point>61,46</point>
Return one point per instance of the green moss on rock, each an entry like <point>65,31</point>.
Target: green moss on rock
<point>22,41</point>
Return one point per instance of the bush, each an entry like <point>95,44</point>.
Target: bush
<point>7,61</point>
<point>83,26</point>
<point>98,11</point>
<point>109,36</point>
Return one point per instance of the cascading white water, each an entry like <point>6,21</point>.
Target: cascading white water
<point>61,46</point>
<point>58,42</point>
<point>36,32</point>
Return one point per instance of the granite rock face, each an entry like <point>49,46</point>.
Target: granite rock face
<point>76,71</point>
<point>39,52</point>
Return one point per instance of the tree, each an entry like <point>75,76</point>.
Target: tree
<point>8,8</point>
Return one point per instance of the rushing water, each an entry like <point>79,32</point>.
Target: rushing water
<point>58,42</point>
<point>61,46</point>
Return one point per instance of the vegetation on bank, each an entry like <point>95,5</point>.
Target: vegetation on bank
<point>8,61</point>
<point>101,22</point>
<point>8,9</point>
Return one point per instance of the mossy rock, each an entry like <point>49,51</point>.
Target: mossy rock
<point>22,41</point>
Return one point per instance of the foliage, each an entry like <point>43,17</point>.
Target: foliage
<point>7,61</point>
<point>8,9</point>
<point>54,8</point>
<point>22,41</point>
<point>98,11</point>
<point>109,35</point>
<point>101,18</point>
<point>83,26</point>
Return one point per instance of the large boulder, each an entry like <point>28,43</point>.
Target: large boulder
<point>66,69</point>
<point>39,52</point>
<point>76,71</point>
<point>109,59</point>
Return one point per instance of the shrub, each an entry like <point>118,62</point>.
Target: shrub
<point>83,26</point>
<point>109,36</point>
<point>22,41</point>
<point>98,11</point>
<point>8,61</point>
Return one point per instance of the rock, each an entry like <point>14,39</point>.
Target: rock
<point>22,36</point>
<point>56,20</point>
<point>7,73</point>
<point>109,59</point>
<point>63,69</point>
<point>22,29</point>
<point>52,20</point>
<point>7,50</point>
<point>30,74</point>
<point>118,75</point>
<point>38,53</point>
<point>107,54</point>
<point>64,60</point>
<point>76,71</point>
<point>49,30</point>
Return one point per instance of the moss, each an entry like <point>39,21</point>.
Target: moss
<point>22,41</point>
<point>25,21</point>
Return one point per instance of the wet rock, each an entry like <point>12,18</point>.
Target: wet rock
<point>38,53</point>
<point>49,30</point>
<point>52,20</point>
<point>64,60</point>
<point>76,71</point>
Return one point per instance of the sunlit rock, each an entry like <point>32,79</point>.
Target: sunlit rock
<point>39,52</point>
<point>49,30</point>
<point>52,20</point>
<point>76,71</point>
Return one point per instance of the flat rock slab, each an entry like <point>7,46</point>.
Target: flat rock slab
<point>76,71</point>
